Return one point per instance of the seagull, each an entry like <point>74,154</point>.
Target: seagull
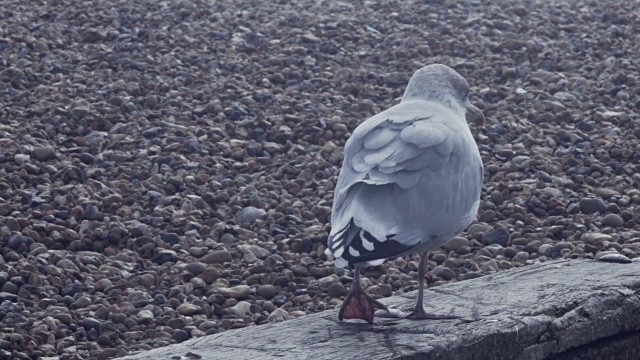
<point>410,181</point>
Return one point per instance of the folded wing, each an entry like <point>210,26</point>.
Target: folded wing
<point>401,170</point>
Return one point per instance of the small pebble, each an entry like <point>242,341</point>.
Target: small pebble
<point>613,258</point>
<point>336,290</point>
<point>266,291</point>
<point>188,309</point>
<point>278,315</point>
<point>181,336</point>
<point>249,215</point>
<point>498,236</point>
<point>612,220</point>
<point>592,206</point>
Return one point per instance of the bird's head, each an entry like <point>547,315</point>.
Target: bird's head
<point>437,82</point>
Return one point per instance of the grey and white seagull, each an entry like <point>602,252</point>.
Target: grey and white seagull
<point>411,180</point>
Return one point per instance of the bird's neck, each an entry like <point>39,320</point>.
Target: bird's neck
<point>441,99</point>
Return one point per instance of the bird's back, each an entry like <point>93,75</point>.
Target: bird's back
<point>411,179</point>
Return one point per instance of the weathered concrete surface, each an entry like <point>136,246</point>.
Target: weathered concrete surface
<point>564,310</point>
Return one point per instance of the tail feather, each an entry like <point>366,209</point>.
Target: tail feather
<point>352,245</point>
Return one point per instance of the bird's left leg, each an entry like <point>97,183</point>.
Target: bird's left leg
<point>358,304</point>
<point>418,312</point>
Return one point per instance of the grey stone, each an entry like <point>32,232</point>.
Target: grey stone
<point>217,257</point>
<point>336,290</point>
<point>139,298</point>
<point>227,238</point>
<point>327,281</point>
<point>266,291</point>
<point>177,323</point>
<point>180,336</point>
<point>612,220</point>
<point>188,309</point>
<point>456,243</point>
<point>165,256</point>
<point>249,215</point>
<point>274,260</point>
<point>498,236</point>
<point>521,257</point>
<point>382,290</point>
<point>278,315</point>
<point>112,199</point>
<point>545,249</point>
<point>8,296</point>
<point>170,238</point>
<point>22,159</point>
<point>249,257</point>
<point>565,96</point>
<point>594,237</point>
<point>83,302</point>
<point>552,192</point>
<point>195,268</point>
<point>444,273</point>
<point>478,228</point>
<point>613,257</point>
<point>44,153</point>
<point>258,251</point>
<point>91,323</point>
<point>606,193</point>
<point>66,264</point>
<point>237,292</point>
<point>592,206</point>
<point>16,241</point>
<point>240,309</point>
<point>502,307</point>
<point>137,229</point>
<point>145,314</point>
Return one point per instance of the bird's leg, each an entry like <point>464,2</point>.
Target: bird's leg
<point>358,304</point>
<point>418,312</point>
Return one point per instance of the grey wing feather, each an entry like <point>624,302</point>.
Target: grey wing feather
<point>390,182</point>
<point>424,134</point>
<point>378,138</point>
<point>445,147</point>
<point>431,159</point>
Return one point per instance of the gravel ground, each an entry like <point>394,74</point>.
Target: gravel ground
<point>168,166</point>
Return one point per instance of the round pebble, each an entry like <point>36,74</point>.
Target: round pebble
<point>336,290</point>
<point>592,206</point>
<point>612,220</point>
<point>181,336</point>
<point>266,291</point>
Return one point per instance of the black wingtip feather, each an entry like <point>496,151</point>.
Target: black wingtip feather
<point>381,249</point>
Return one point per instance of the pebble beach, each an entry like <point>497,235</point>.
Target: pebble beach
<point>167,167</point>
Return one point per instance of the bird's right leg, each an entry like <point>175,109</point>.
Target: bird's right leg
<point>358,304</point>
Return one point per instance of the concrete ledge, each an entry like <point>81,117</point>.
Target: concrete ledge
<point>567,309</point>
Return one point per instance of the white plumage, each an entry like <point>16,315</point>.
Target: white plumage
<point>412,175</point>
<point>411,180</point>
